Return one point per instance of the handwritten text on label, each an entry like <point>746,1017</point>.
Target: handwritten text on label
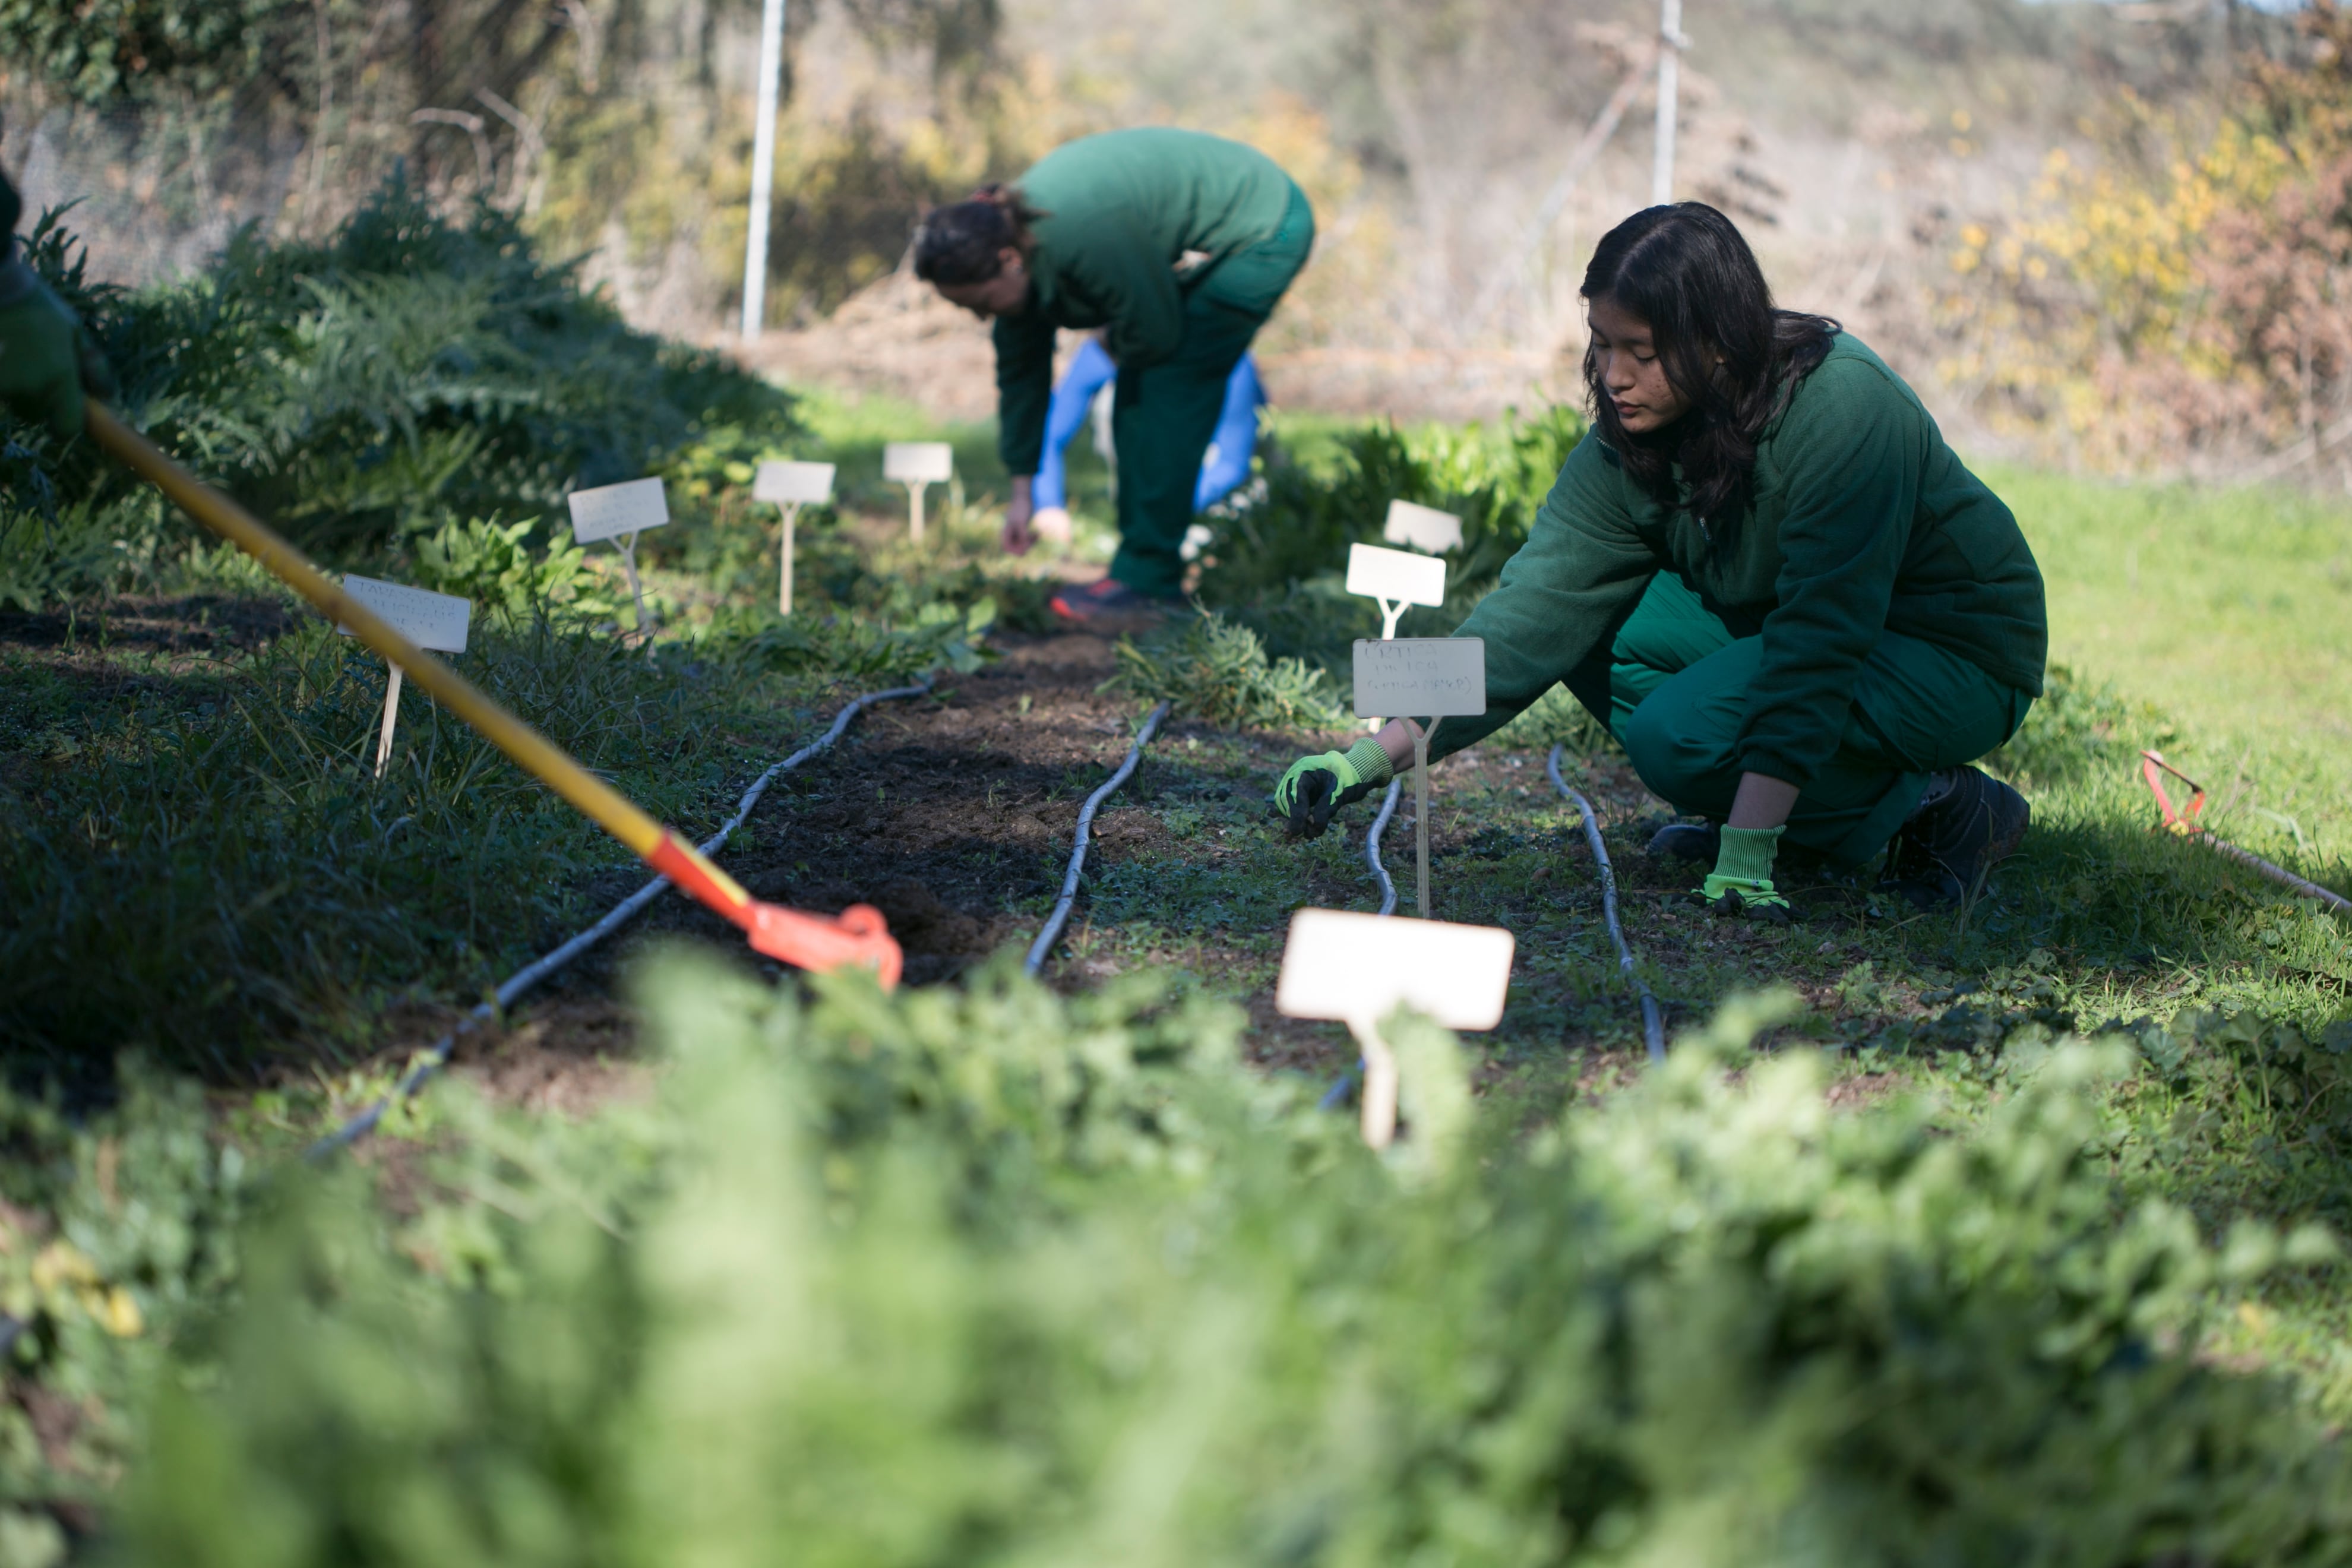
<point>793,484</point>
<point>1345,966</point>
<point>917,462</point>
<point>1419,677</point>
<point>615,510</point>
<point>430,620</point>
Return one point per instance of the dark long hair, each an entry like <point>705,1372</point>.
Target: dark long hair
<point>965,241</point>
<point>1686,270</point>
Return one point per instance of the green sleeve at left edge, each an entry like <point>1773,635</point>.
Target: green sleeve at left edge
<point>1582,568</point>
<point>1024,387</point>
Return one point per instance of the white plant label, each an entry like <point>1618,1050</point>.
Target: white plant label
<point>612,510</point>
<point>1358,969</point>
<point>1431,677</point>
<point>794,484</point>
<point>1395,574</point>
<point>1422,528</point>
<point>918,462</point>
<point>1340,965</point>
<point>430,620</point>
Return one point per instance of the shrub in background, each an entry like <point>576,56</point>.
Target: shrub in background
<point>411,367</point>
<point>1278,564</point>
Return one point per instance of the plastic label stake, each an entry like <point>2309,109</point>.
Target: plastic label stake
<point>1422,528</point>
<point>1437,677</point>
<point>1357,969</point>
<point>918,465</point>
<point>622,512</point>
<point>1393,579</point>
<point>430,620</point>
<point>791,486</point>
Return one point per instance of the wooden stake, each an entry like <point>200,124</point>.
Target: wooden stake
<point>1378,1115</point>
<point>636,588</point>
<point>1421,813</point>
<point>914,489</point>
<point>391,719</point>
<point>784,589</point>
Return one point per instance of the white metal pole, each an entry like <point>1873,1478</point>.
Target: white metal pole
<point>1670,55</point>
<point>764,169</point>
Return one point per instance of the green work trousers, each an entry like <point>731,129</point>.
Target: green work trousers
<point>1164,415</point>
<point>1673,689</point>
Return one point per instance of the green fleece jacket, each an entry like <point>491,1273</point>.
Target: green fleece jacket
<point>1859,520</point>
<point>1132,218</point>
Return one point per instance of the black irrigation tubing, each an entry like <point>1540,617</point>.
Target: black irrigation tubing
<point>1061,915</point>
<point>1653,1025</point>
<point>1337,1095</point>
<point>522,980</point>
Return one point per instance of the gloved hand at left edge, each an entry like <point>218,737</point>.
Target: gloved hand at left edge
<point>1312,788</point>
<point>47,360</point>
<point>1742,883</point>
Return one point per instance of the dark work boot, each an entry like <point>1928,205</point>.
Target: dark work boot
<point>1967,822</point>
<point>1700,841</point>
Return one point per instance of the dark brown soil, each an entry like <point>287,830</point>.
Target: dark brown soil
<point>941,812</point>
<point>198,624</point>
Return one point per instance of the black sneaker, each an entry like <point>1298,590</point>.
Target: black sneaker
<point>1947,851</point>
<point>1701,841</point>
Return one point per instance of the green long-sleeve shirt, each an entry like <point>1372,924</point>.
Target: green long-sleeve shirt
<point>1123,210</point>
<point>1860,519</point>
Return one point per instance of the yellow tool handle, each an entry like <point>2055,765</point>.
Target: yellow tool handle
<point>537,754</point>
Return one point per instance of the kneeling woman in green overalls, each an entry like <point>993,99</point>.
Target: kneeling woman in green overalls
<point>1767,575</point>
<point>1178,246</point>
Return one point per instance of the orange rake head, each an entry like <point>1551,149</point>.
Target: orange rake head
<point>2182,821</point>
<point>856,936</point>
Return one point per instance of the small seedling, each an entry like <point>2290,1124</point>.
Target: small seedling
<point>918,465</point>
<point>430,620</point>
<point>621,513</point>
<point>790,487</point>
<point>1358,969</point>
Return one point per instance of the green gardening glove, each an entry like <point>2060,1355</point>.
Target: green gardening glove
<point>1742,881</point>
<point>1313,788</point>
<point>46,359</point>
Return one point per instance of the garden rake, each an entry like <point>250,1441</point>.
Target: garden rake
<point>858,936</point>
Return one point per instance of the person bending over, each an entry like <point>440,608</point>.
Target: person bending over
<point>1767,574</point>
<point>46,359</point>
<point>1223,466</point>
<point>1178,246</point>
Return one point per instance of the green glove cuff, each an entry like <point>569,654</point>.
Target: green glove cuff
<point>1746,856</point>
<point>1369,763</point>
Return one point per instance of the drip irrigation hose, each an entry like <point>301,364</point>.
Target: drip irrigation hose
<point>1061,915</point>
<point>1337,1095</point>
<point>1372,847</point>
<point>1653,1024</point>
<point>524,979</point>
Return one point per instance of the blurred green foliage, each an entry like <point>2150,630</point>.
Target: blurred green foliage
<point>995,1276</point>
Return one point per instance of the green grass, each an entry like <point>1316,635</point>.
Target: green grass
<point>2228,610</point>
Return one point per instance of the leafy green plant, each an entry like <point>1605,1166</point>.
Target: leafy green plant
<point>938,636</point>
<point>1214,671</point>
<point>491,563</point>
